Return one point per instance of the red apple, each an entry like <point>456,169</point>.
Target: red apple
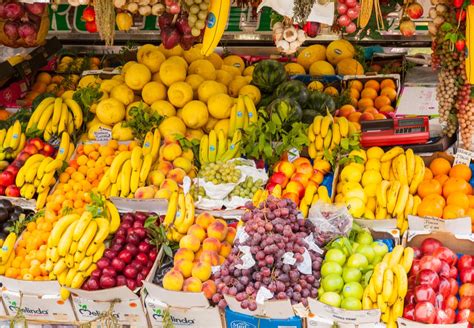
<point>2,190</point>
<point>410,297</point>
<point>409,312</point>
<point>415,268</point>
<point>454,286</point>
<point>411,282</point>
<point>442,317</point>
<point>463,315</point>
<point>39,144</point>
<point>451,315</point>
<point>467,275</point>
<point>444,287</point>
<point>48,149</point>
<point>22,157</point>
<point>279,178</point>
<point>12,191</point>
<point>425,312</point>
<point>466,261</point>
<point>417,252</point>
<point>6,178</point>
<point>445,269</point>
<point>429,278</point>
<point>424,293</point>
<point>429,245</point>
<point>31,149</point>
<point>271,186</point>
<point>431,263</point>
<point>13,169</point>
<point>453,272</point>
<point>414,10</point>
<point>445,254</point>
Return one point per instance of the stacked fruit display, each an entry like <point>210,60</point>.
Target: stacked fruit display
<point>345,268</point>
<point>56,84</point>
<point>433,286</point>
<point>68,64</point>
<point>206,245</point>
<point>446,191</point>
<point>388,285</point>
<point>281,260</point>
<point>129,258</point>
<point>382,185</point>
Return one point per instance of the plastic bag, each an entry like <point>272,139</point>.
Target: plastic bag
<point>331,221</point>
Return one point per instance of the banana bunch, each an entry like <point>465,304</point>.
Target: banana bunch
<point>213,33</point>
<point>312,195</point>
<point>128,171</point>
<point>54,116</point>
<point>388,285</point>
<point>7,252</point>
<point>242,114</point>
<point>179,216</point>
<point>151,144</point>
<point>12,141</point>
<point>216,148</point>
<point>402,172</point>
<point>261,196</point>
<point>327,132</point>
<point>76,243</point>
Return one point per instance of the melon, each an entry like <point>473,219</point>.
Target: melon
<point>339,50</point>
<point>321,67</point>
<point>349,66</point>
<point>311,54</point>
<point>294,69</point>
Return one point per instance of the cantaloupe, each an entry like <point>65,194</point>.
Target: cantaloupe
<point>311,54</point>
<point>339,50</point>
<point>321,67</point>
<point>294,69</point>
<point>349,66</point>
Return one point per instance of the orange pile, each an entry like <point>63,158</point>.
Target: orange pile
<point>445,191</point>
<point>57,84</point>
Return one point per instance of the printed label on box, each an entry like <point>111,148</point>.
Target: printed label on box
<point>463,156</point>
<point>457,226</point>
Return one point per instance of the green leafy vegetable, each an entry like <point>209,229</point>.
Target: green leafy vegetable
<point>143,119</point>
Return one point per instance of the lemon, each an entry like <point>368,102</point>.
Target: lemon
<point>193,54</point>
<point>153,60</point>
<point>107,85</point>
<point>153,91</point>
<point>180,93</point>
<point>122,133</point>
<point>119,78</point>
<point>370,189</point>
<point>110,111</point>
<point>194,81</point>
<point>248,71</point>
<point>178,60</point>
<point>220,105</point>
<point>204,68</point>
<point>127,66</point>
<point>209,88</point>
<point>372,164</point>
<point>96,127</point>
<point>179,113</point>
<point>215,59</point>
<point>171,72</point>
<point>137,76</point>
<point>93,122</point>
<point>146,48</point>
<point>251,91</point>
<point>164,108</point>
<point>134,104</point>
<point>176,51</point>
<point>171,126</point>
<point>156,77</point>
<point>375,153</point>
<point>358,153</point>
<point>351,173</point>
<point>371,177</point>
<point>222,125</point>
<point>223,77</point>
<point>183,163</point>
<point>195,114</point>
<point>235,61</point>
<point>194,134</point>
<point>356,206</point>
<point>350,185</point>
<point>88,80</point>
<point>122,93</point>
<point>236,84</point>
<point>231,69</point>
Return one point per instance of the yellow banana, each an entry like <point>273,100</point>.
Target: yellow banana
<point>204,150</point>
<point>57,111</point>
<point>396,255</point>
<point>381,195</point>
<point>114,216</point>
<point>180,214</point>
<point>81,226</point>
<point>105,182</point>
<point>219,10</point>
<point>232,122</point>
<point>59,267</point>
<point>8,137</point>
<point>7,248</point>
<point>146,167</point>
<point>16,135</point>
<point>3,133</point>
<point>134,181</point>
<point>317,121</point>
<point>407,260</point>
<point>387,284</point>
<point>76,112</point>
<point>221,145</point>
<point>212,152</point>
<point>125,174</point>
<point>116,165</point>
<point>62,126</point>
<point>416,203</point>
<point>136,158</point>
<point>366,301</point>
<point>327,140</point>
<point>46,181</point>
<point>97,254</point>
<point>66,240</point>
<point>392,195</point>
<point>42,167</point>
<point>372,293</point>
<point>41,198</point>
<point>234,146</point>
<point>325,125</point>
<point>402,200</point>
<point>87,237</point>
<point>343,126</point>
<point>59,229</point>
<point>410,158</point>
<point>402,280</point>
<point>39,111</point>
<point>172,208</point>
<point>251,110</point>
<point>392,153</point>
<point>70,275</point>
<point>401,168</point>
<point>63,150</point>
<point>378,274</point>
<point>53,166</point>
<point>78,280</point>
<point>85,263</point>
<point>102,231</point>
<point>336,135</point>
<point>419,174</point>
<point>147,144</point>
<point>239,116</point>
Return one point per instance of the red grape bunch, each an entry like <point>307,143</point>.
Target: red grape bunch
<point>274,228</point>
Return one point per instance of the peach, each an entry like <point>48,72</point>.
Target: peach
<point>184,266</point>
<point>145,192</point>
<point>367,117</point>
<point>221,259</point>
<point>379,116</point>
<point>197,231</point>
<point>164,167</point>
<point>211,244</point>
<point>295,187</point>
<point>305,168</point>
<point>155,178</point>
<point>172,151</point>
<point>279,178</point>
<point>183,163</point>
<point>285,167</point>
<point>210,257</point>
<point>173,279</point>
<point>217,229</point>
<point>301,178</point>
<point>170,185</point>
<point>346,110</point>
<point>371,110</point>
<point>292,196</point>
<point>317,177</point>
<point>204,220</point>
<point>163,194</point>
<point>231,232</point>
<point>197,255</point>
<point>201,270</point>
<point>177,175</point>
<point>300,160</point>
<point>190,242</point>
<point>183,254</point>
<point>192,285</point>
<point>209,288</point>
<point>226,248</point>
<point>354,117</point>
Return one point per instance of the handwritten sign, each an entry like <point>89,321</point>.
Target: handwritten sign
<point>456,226</point>
<point>463,156</point>
<point>103,134</point>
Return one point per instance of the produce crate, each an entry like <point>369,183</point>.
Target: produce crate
<point>235,319</point>
<point>327,80</point>
<point>377,77</point>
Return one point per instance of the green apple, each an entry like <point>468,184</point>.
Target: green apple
<point>367,251</point>
<point>379,248</point>
<point>353,289</point>
<point>332,283</point>
<point>320,291</point>
<point>331,298</point>
<point>335,255</point>
<point>357,261</point>
<point>330,267</point>
<point>351,274</point>
<point>364,237</point>
<point>355,246</point>
<point>351,303</point>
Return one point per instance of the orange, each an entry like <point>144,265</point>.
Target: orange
<point>364,103</point>
<point>4,114</point>
<point>354,93</point>
<point>428,174</point>
<point>57,79</point>
<point>381,101</point>
<point>44,78</point>
<point>346,110</point>
<point>471,201</point>
<point>436,199</point>
<point>388,83</point>
<point>428,208</point>
<point>354,117</point>
<point>371,110</point>
<point>390,93</point>
<point>441,178</point>
<point>459,199</point>
<point>39,87</point>
<point>369,93</point>
<point>372,84</point>
<point>440,166</point>
<point>453,212</point>
<point>461,171</point>
<point>456,184</point>
<point>428,187</point>
<point>386,109</point>
<point>356,84</point>
<point>470,213</point>
<point>113,143</point>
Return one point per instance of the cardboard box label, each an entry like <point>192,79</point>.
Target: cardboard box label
<point>343,316</point>
<point>461,226</point>
<point>103,134</point>
<point>463,156</point>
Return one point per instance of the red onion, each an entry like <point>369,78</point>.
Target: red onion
<point>351,3</point>
<point>11,30</point>
<point>31,40</point>
<point>343,20</point>
<point>35,8</point>
<point>170,37</point>
<point>341,8</point>
<point>3,14</point>
<point>25,30</point>
<point>351,28</point>
<point>13,11</point>
<point>352,13</point>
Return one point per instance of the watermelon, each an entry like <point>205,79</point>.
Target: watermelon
<point>268,75</point>
<point>293,89</point>
<point>320,102</point>
<point>287,109</point>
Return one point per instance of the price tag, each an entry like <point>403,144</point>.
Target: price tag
<point>103,134</point>
<point>426,223</point>
<point>263,294</point>
<point>293,154</point>
<point>463,156</point>
<point>247,259</point>
<point>312,245</point>
<point>288,258</point>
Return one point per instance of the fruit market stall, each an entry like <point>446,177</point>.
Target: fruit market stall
<point>209,163</point>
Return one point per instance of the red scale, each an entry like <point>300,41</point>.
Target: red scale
<point>397,131</point>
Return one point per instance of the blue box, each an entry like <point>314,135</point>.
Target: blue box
<point>239,320</point>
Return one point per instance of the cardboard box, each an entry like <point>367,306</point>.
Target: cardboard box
<point>239,320</point>
<point>405,323</point>
<point>127,205</point>
<point>40,300</point>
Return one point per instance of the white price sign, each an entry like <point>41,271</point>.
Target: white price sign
<point>463,156</point>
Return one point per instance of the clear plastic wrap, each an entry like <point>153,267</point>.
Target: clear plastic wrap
<point>331,221</point>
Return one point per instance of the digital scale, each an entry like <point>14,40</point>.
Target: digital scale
<point>397,131</point>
